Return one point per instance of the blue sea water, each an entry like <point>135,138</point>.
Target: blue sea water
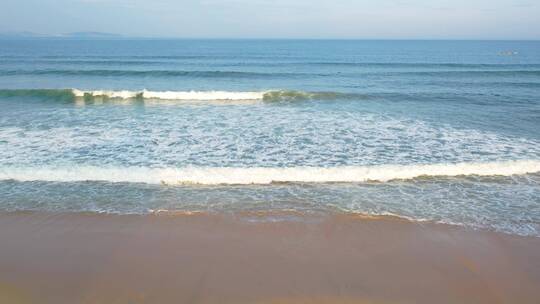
<point>444,131</point>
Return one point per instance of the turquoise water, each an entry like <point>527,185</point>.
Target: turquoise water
<point>442,131</point>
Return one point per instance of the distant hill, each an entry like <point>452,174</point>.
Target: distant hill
<point>7,35</point>
<point>75,35</point>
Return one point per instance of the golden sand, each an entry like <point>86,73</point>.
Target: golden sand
<point>202,258</point>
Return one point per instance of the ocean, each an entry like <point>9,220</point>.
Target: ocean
<point>438,131</point>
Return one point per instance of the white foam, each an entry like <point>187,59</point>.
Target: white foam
<point>173,95</point>
<point>226,175</point>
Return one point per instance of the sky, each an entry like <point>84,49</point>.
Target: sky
<point>338,19</point>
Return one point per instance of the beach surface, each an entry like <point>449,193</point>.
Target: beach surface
<point>259,258</point>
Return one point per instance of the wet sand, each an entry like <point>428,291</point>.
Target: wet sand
<point>92,258</point>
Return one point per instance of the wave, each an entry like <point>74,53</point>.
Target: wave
<point>262,175</point>
<point>150,73</point>
<point>172,95</point>
<point>475,66</point>
<point>461,73</point>
<point>75,95</point>
<point>266,75</point>
<point>255,60</point>
<point>267,96</point>
<point>57,94</point>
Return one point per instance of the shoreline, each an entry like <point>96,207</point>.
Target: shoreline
<point>213,258</point>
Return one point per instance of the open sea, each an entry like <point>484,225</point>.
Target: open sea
<point>442,131</point>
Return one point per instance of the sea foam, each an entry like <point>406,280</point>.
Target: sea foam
<point>270,95</point>
<point>213,95</point>
<point>172,95</point>
<point>261,175</point>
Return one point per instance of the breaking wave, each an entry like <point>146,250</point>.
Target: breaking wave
<point>262,175</point>
<point>268,96</point>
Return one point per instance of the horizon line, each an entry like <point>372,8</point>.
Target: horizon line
<point>121,37</point>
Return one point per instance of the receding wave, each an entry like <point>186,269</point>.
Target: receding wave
<point>267,96</point>
<point>262,175</point>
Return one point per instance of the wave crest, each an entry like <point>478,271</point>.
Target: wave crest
<point>266,96</point>
<point>261,175</point>
<point>172,95</point>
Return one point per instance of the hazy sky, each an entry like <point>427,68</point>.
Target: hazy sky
<point>457,19</point>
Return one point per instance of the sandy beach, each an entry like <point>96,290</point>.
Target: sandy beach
<point>202,258</point>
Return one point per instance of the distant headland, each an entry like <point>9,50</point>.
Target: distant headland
<point>74,35</point>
